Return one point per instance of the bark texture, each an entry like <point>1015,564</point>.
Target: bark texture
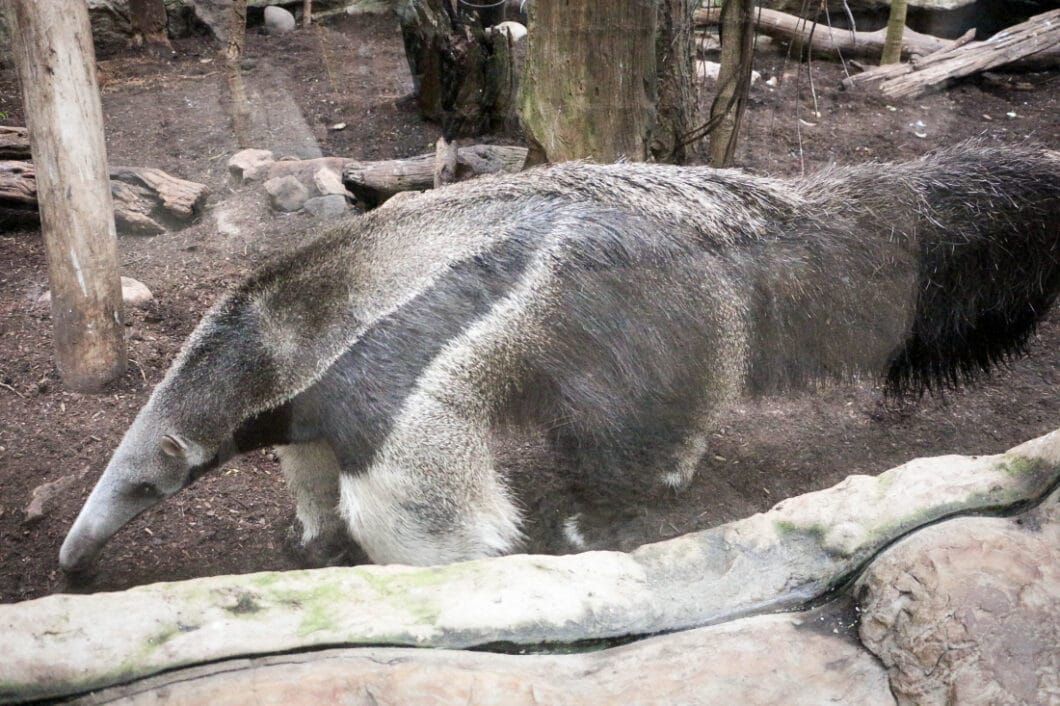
<point>734,79</point>
<point>590,87</point>
<point>148,20</point>
<point>464,78</point>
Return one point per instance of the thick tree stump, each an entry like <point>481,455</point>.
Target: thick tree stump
<point>374,182</point>
<point>464,78</point>
<point>145,200</point>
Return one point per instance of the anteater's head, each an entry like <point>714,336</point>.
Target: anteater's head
<point>152,463</point>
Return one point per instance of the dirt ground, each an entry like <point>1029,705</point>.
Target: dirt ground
<point>167,113</point>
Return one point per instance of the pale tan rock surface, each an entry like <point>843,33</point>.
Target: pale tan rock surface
<point>968,611</point>
<point>777,659</point>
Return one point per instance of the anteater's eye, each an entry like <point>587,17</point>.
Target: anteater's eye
<point>146,491</point>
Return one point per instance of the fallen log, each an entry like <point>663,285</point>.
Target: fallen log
<point>1040,35</point>
<point>823,39</point>
<point>18,186</point>
<point>14,143</point>
<point>374,182</point>
<point>145,200</point>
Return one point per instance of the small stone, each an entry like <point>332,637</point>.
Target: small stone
<point>324,207</point>
<point>338,126</point>
<point>133,293</point>
<point>42,495</point>
<point>249,165</point>
<point>515,30</point>
<point>327,181</point>
<point>278,20</point>
<point>286,193</point>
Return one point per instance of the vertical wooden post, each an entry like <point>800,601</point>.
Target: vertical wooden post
<point>56,65</point>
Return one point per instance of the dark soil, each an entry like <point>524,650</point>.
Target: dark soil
<point>167,113</point>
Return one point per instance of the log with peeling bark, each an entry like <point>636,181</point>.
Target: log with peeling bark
<point>1040,34</point>
<point>375,182</point>
<point>145,200</point>
<point>823,39</point>
<point>14,143</point>
<point>18,186</point>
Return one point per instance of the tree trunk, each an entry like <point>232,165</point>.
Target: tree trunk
<point>231,54</point>
<point>608,80</point>
<point>14,143</point>
<point>56,65</point>
<point>734,79</point>
<point>678,96</point>
<point>148,19</point>
<point>892,45</point>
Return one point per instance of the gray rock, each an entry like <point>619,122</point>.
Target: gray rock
<point>249,165</point>
<point>278,20</point>
<point>968,611</point>
<point>133,293</point>
<point>326,207</point>
<point>41,497</point>
<point>327,181</point>
<point>286,193</point>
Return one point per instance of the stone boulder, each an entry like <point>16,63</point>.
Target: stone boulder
<point>278,20</point>
<point>249,165</point>
<point>286,193</point>
<point>968,611</point>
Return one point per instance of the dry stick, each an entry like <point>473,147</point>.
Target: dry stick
<point>1040,33</point>
<point>892,44</point>
<point>233,51</point>
<point>307,12</point>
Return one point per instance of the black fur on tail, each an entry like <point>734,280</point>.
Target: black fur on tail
<point>988,229</point>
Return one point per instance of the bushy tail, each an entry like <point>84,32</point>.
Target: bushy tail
<point>988,229</point>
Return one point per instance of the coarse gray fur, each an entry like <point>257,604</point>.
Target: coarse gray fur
<point>618,308</point>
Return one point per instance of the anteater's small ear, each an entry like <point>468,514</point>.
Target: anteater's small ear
<point>174,447</point>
